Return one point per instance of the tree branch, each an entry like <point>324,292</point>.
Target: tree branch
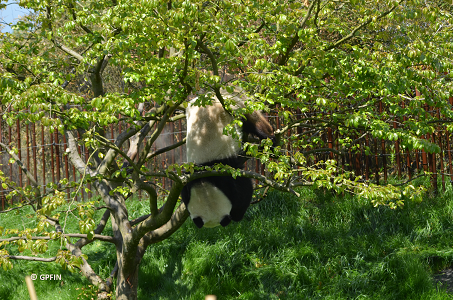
<point>202,46</point>
<point>74,17</point>
<point>242,43</point>
<point>160,127</point>
<point>215,70</point>
<point>87,271</point>
<point>30,258</point>
<point>138,138</point>
<point>102,223</point>
<point>154,222</point>
<point>111,153</point>
<point>21,165</point>
<point>323,150</point>
<point>68,50</point>
<point>349,36</point>
<point>364,24</point>
<point>74,156</point>
<point>165,149</point>
<point>241,173</point>
<point>141,185</point>
<point>177,219</point>
<point>103,238</point>
<point>284,58</point>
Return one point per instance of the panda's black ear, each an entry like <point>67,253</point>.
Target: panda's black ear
<point>225,221</point>
<point>198,222</point>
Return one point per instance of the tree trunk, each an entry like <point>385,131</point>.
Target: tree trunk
<point>127,284</point>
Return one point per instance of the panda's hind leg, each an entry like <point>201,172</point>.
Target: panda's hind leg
<point>242,196</point>
<point>237,213</point>
<point>225,221</point>
<point>198,222</point>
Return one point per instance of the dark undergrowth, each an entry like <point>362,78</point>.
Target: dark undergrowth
<point>317,246</point>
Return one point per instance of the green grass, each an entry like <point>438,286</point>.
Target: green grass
<point>318,246</point>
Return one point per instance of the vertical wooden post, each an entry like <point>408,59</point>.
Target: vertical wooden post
<point>408,157</point>
<point>181,159</point>
<point>57,155</point>
<point>19,148</point>
<point>424,158</point>
<point>299,133</point>
<point>35,160</point>
<point>288,148</point>
<point>449,156</point>
<point>433,166</point>
<point>9,143</point>
<point>52,158</point>
<point>163,178</point>
<point>357,160</point>
<point>257,169</point>
<point>79,149</point>
<point>43,149</point>
<point>74,178</point>
<point>277,124</point>
<point>384,156</point>
<point>89,184</point>
<point>376,157</point>
<point>1,165</point>
<point>119,127</point>
<point>441,159</point>
<point>330,141</point>
<point>449,148</point>
<point>156,163</point>
<point>367,159</point>
<point>66,165</point>
<point>35,167</point>
<point>417,160</point>
<point>343,156</point>
<point>172,135</point>
<point>441,156</point>
<point>397,150</point>
<point>27,132</point>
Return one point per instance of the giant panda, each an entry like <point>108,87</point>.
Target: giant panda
<point>217,200</point>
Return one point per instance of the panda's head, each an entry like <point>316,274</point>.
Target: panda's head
<point>254,123</point>
<point>257,125</point>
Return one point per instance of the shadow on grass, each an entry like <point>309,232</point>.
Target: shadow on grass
<point>319,246</point>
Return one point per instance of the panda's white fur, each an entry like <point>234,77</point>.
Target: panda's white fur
<point>209,203</point>
<point>205,140</point>
<point>218,200</point>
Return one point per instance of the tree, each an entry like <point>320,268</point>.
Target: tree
<point>335,61</point>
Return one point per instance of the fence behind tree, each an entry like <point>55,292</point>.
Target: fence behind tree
<point>44,154</point>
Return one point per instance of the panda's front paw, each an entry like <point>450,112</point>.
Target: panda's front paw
<point>225,220</point>
<point>198,222</point>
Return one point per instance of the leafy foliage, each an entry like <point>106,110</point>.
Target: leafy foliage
<point>358,67</point>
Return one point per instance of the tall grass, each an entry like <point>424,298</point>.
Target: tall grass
<point>317,246</point>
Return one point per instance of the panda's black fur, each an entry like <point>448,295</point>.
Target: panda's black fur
<point>217,200</point>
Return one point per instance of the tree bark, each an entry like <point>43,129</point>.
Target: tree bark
<point>127,283</point>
